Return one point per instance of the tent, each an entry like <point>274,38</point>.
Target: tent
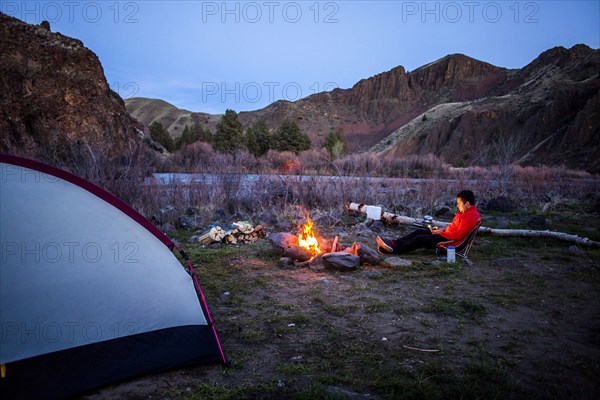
<point>90,291</point>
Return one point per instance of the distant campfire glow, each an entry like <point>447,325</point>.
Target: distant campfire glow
<point>307,239</point>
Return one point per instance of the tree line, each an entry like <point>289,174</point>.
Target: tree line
<point>230,137</point>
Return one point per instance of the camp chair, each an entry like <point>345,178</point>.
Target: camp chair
<point>462,248</point>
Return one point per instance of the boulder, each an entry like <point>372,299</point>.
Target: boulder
<point>368,255</point>
<point>341,261</point>
<point>282,240</point>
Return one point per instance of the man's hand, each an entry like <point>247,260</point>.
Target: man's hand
<point>435,229</point>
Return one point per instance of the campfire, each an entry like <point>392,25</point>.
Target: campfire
<point>307,239</point>
<point>307,248</point>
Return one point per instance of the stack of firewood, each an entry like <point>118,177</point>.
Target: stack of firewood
<point>241,232</point>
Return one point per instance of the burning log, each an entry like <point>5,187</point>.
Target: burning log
<point>391,218</point>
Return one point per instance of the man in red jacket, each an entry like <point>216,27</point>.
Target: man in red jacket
<point>464,221</point>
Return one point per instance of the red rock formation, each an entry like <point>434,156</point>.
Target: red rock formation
<point>54,96</point>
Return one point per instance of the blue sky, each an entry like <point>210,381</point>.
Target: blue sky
<point>212,55</point>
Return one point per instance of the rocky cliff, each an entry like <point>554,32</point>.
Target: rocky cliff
<point>368,112</point>
<point>547,112</point>
<point>454,108</point>
<point>54,98</point>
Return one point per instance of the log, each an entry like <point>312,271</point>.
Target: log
<point>392,218</point>
<point>242,232</point>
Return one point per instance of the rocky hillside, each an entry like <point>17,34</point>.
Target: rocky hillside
<point>453,107</point>
<point>172,118</point>
<point>548,113</point>
<point>54,98</point>
<point>368,112</point>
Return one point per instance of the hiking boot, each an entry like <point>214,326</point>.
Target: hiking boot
<point>385,246</point>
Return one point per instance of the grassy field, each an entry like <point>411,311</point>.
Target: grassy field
<point>521,322</point>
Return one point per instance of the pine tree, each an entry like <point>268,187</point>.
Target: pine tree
<point>184,139</point>
<point>195,132</point>
<point>159,134</point>
<point>258,139</point>
<point>335,144</point>
<point>228,136</point>
<point>289,137</point>
<point>198,133</point>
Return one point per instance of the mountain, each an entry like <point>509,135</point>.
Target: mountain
<point>549,112</point>
<point>55,100</point>
<point>368,112</point>
<point>172,118</point>
<point>454,107</point>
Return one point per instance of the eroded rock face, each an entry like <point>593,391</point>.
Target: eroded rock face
<point>55,97</point>
<point>452,107</point>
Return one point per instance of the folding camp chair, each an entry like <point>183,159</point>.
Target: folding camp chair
<point>462,248</point>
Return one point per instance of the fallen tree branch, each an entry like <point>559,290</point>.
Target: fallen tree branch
<point>391,218</point>
<point>423,350</point>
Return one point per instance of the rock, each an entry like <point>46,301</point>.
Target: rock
<point>56,101</point>
<point>341,261</point>
<point>368,255</point>
<point>501,203</point>
<point>316,264</point>
<point>297,253</point>
<point>282,240</point>
<point>397,262</point>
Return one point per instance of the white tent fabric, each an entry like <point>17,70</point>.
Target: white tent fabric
<point>75,270</point>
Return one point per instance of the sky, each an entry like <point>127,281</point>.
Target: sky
<point>210,56</point>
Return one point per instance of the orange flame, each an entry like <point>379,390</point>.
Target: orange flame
<point>307,238</point>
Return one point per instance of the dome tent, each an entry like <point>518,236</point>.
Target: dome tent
<point>90,291</point>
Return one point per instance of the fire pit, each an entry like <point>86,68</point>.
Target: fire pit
<point>308,249</point>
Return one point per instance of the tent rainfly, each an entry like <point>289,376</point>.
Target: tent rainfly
<point>90,291</point>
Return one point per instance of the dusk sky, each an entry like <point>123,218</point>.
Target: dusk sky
<point>210,56</point>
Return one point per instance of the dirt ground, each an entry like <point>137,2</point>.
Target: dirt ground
<point>521,322</point>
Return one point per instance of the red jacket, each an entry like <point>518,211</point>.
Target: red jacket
<point>462,224</point>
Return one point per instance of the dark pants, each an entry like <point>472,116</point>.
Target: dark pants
<point>418,239</point>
